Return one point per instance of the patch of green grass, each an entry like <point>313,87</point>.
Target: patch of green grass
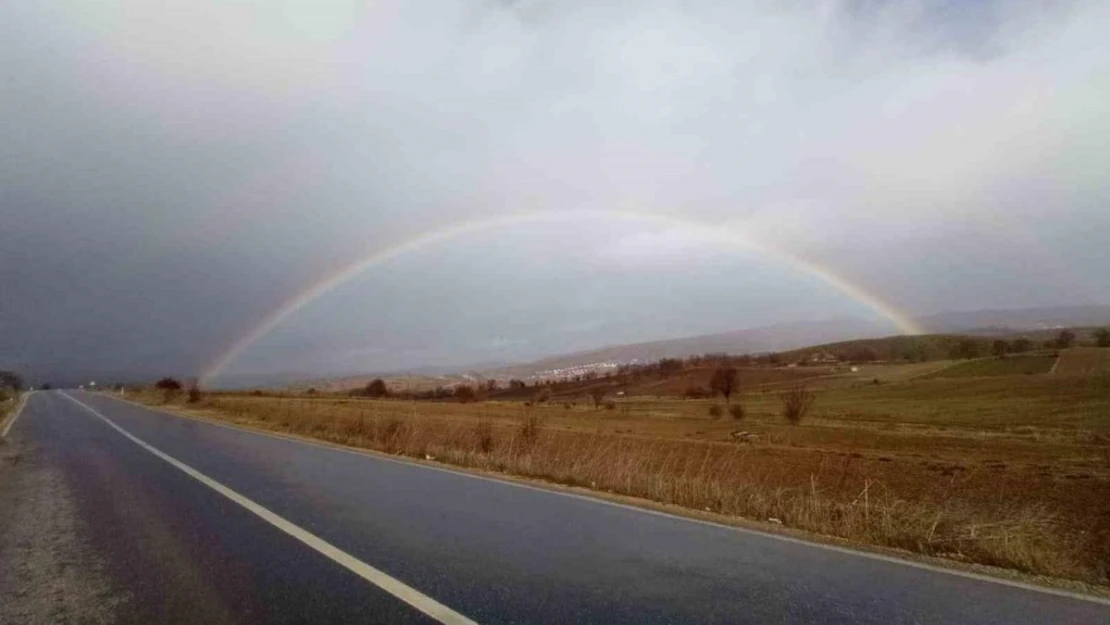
<point>989,367</point>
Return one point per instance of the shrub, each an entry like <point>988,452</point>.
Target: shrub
<point>1102,337</point>
<point>168,384</point>
<point>11,380</point>
<point>169,388</point>
<point>483,436</point>
<point>194,395</point>
<point>736,411</point>
<point>465,394</point>
<point>965,348</point>
<point>610,405</point>
<point>1000,348</point>
<point>715,411</point>
<point>542,395</point>
<point>392,430</point>
<point>695,392</point>
<point>796,402</point>
<point>529,431</point>
<point>376,388</point>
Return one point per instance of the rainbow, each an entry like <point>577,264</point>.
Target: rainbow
<point>711,232</point>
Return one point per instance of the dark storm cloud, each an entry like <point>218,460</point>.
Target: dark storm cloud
<point>172,173</point>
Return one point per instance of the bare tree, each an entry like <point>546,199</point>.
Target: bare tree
<point>723,381</point>
<point>597,394</point>
<point>1065,339</point>
<point>796,402</point>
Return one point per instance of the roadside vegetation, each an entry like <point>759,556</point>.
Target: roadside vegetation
<point>8,402</point>
<point>11,387</point>
<point>999,467</point>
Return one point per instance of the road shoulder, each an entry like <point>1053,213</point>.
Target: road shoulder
<point>48,574</point>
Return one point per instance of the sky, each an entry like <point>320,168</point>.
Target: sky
<point>174,174</point>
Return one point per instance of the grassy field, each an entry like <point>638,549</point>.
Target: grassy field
<point>1011,365</point>
<point>1011,471</point>
<point>749,378</point>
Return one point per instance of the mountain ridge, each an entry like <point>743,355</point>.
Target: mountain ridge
<point>783,337</point>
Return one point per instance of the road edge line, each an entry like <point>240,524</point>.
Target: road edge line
<point>7,426</point>
<point>382,580</point>
<point>509,480</point>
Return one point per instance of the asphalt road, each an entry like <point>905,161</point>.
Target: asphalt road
<point>146,517</point>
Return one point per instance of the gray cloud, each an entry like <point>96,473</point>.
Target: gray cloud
<point>172,173</point>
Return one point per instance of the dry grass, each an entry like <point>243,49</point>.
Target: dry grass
<point>796,402</point>
<point>9,401</point>
<point>1084,360</point>
<point>1030,494</point>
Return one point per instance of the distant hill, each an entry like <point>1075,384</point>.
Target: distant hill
<point>918,348</point>
<point>786,337</point>
<point>1008,321</point>
<point>753,340</point>
<point>1035,323</point>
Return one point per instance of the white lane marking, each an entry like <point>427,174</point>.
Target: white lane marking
<point>393,586</point>
<point>15,415</point>
<point>376,455</point>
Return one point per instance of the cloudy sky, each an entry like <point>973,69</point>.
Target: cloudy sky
<point>173,173</point>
